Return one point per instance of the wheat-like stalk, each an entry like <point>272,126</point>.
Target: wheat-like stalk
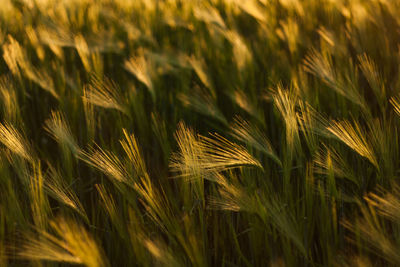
<point>59,129</point>
<point>374,78</point>
<point>285,101</point>
<point>56,187</point>
<point>355,138</point>
<point>327,160</point>
<point>204,102</point>
<point>396,104</point>
<point>142,69</point>
<point>104,93</point>
<point>71,244</point>
<point>321,66</point>
<point>200,68</point>
<point>106,162</point>
<point>15,142</point>
<point>131,147</point>
<point>250,134</point>
<point>201,155</point>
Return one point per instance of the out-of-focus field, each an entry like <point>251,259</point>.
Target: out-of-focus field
<point>199,133</point>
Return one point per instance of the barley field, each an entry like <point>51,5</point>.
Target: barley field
<point>199,133</point>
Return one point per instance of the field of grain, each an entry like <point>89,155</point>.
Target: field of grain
<point>199,133</point>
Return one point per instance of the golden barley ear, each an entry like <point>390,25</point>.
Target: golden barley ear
<point>18,63</point>
<point>104,93</point>
<point>56,187</point>
<point>386,203</point>
<point>355,138</point>
<point>313,125</point>
<point>369,229</point>
<point>327,160</point>
<point>253,9</point>
<point>8,95</point>
<point>232,196</point>
<point>201,70</point>
<point>209,15</point>
<point>142,69</point>
<point>310,120</point>
<point>131,147</point>
<point>285,101</point>
<point>161,252</point>
<point>111,208</point>
<point>106,162</point>
<point>15,142</point>
<point>70,243</point>
<point>250,134</point>
<point>40,206</point>
<point>60,131</point>
<point>321,66</point>
<point>204,102</point>
<point>371,72</point>
<point>90,57</point>
<point>201,155</point>
<point>396,104</point>
<point>240,98</point>
<point>157,205</point>
<point>241,52</point>
<point>13,55</point>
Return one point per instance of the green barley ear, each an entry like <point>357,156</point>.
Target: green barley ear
<point>57,188</point>
<point>70,243</point>
<point>15,142</point>
<point>60,131</point>
<point>104,93</point>
<point>250,134</point>
<point>203,102</point>
<point>355,138</point>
